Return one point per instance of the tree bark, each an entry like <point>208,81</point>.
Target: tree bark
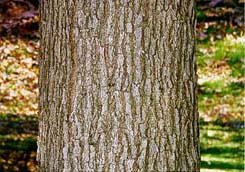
<point>118,86</point>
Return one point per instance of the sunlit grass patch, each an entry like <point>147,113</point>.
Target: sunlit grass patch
<point>221,87</point>
<point>229,49</point>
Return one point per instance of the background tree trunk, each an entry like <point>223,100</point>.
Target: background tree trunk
<point>118,86</point>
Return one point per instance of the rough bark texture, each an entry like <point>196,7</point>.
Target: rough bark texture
<point>118,86</point>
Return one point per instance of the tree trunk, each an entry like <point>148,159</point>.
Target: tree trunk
<point>118,86</point>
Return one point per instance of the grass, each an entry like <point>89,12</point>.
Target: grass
<point>230,50</point>
<point>18,142</point>
<point>222,148</point>
<point>18,136</point>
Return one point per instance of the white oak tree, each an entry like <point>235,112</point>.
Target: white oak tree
<point>118,86</point>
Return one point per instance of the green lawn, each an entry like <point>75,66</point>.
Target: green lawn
<point>222,148</point>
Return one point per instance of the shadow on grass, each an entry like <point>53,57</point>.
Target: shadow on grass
<point>222,150</point>
<point>18,143</point>
<point>221,165</point>
<point>222,147</point>
<point>16,124</point>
